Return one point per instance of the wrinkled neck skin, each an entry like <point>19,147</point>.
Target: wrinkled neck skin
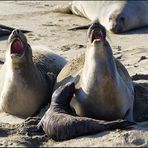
<point>20,68</point>
<point>99,67</point>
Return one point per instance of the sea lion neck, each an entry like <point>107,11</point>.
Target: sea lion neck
<point>102,58</point>
<point>99,67</point>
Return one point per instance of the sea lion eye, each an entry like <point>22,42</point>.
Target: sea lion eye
<point>122,19</point>
<point>110,18</point>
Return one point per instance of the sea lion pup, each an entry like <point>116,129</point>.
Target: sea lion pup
<point>27,76</point>
<point>116,16</point>
<point>104,89</point>
<point>61,123</point>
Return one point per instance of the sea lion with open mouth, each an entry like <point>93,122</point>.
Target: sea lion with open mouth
<point>104,89</point>
<point>27,76</point>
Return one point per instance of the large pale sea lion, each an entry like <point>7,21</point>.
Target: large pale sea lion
<point>116,16</point>
<point>104,89</point>
<point>27,76</point>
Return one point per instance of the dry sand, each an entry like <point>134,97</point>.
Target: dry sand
<point>50,30</point>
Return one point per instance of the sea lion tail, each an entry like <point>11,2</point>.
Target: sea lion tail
<point>118,124</point>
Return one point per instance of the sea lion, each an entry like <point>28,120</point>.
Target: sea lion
<point>27,76</point>
<point>104,89</point>
<point>61,123</point>
<point>116,16</point>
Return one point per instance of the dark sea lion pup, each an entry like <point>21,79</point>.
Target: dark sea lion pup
<point>61,123</point>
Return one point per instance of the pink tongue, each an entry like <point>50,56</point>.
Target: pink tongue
<point>98,37</point>
<point>17,47</point>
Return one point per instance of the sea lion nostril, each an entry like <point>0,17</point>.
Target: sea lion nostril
<point>16,32</point>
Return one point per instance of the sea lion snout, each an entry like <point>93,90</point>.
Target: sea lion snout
<point>19,48</point>
<point>116,29</point>
<point>96,34</point>
<point>17,34</point>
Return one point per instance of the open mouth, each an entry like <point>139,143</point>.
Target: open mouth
<point>17,47</point>
<point>97,35</point>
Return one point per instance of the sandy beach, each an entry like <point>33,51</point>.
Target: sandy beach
<point>49,30</point>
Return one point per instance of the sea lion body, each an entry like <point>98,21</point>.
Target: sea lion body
<point>116,16</point>
<point>104,89</point>
<point>25,84</point>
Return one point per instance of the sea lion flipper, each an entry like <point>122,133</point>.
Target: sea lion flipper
<point>5,30</point>
<point>119,124</point>
<point>80,27</point>
<point>1,62</point>
<point>30,126</point>
<point>32,120</point>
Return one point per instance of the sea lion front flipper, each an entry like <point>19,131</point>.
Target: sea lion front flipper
<point>30,126</point>
<point>32,121</point>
